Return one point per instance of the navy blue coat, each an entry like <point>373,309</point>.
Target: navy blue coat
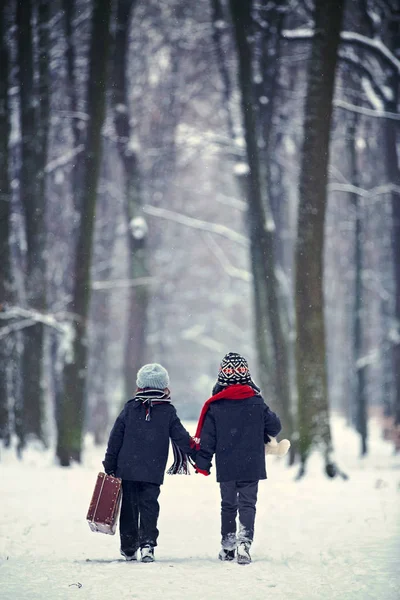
<point>138,449</point>
<point>236,431</point>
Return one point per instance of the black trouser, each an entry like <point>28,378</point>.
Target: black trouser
<point>237,496</point>
<point>139,515</point>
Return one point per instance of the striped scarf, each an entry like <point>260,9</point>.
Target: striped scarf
<point>150,397</point>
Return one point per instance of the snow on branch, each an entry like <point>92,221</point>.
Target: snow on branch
<point>388,188</point>
<point>373,44</point>
<point>196,334</point>
<point>220,255</point>
<point>368,359</point>
<point>222,230</point>
<point>63,160</point>
<point>14,327</point>
<point>122,283</point>
<point>231,201</point>
<point>73,114</point>
<point>368,112</point>
<point>357,39</point>
<point>300,33</point>
<point>27,318</point>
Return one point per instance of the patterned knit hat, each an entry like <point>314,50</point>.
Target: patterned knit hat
<point>152,376</point>
<point>233,369</point>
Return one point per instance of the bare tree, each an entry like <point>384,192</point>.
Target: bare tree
<point>137,230</point>
<point>6,283</point>
<point>71,410</point>
<point>34,130</point>
<point>392,138</point>
<point>360,399</point>
<point>314,423</point>
<point>260,226</point>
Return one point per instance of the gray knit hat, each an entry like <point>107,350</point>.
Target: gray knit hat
<point>152,376</point>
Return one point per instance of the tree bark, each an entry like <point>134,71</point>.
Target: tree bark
<point>260,234</point>
<point>360,368</point>
<point>72,408</point>
<point>6,282</point>
<point>314,426</point>
<point>69,12</point>
<point>135,345</point>
<point>391,139</point>
<point>394,175</point>
<point>34,129</point>
<point>272,15</point>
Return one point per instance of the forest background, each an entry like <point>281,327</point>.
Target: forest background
<point>183,179</point>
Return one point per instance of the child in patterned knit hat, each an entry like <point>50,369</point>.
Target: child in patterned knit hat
<point>235,424</point>
<point>138,451</point>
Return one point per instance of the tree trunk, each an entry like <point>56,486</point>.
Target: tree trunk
<point>272,15</point>
<point>394,176</point>
<point>30,416</point>
<point>6,282</point>
<point>313,406</point>
<point>391,138</point>
<point>135,348</point>
<point>260,233</point>
<point>360,368</point>
<point>72,409</point>
<point>261,326</point>
<point>69,12</point>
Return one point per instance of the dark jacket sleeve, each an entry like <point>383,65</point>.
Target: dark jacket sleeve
<point>180,436</point>
<point>114,444</point>
<point>208,441</point>
<point>272,424</point>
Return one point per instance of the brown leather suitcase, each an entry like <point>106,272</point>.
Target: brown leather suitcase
<point>104,507</point>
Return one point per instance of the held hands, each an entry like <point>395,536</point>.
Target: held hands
<point>202,471</point>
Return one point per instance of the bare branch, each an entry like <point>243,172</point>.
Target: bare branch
<point>362,68</point>
<point>224,260</point>
<point>122,283</point>
<point>221,230</point>
<point>196,334</point>
<point>230,201</point>
<point>368,112</point>
<point>376,45</point>
<point>14,327</point>
<point>27,318</point>
<point>63,160</point>
<point>73,114</point>
<point>357,39</point>
<point>380,190</point>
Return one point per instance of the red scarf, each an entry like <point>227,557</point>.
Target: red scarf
<point>232,392</point>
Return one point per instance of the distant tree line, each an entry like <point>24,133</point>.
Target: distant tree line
<point>107,110</point>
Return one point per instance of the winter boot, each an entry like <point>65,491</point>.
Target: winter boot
<point>147,554</point>
<point>226,555</point>
<point>243,554</point>
<point>129,556</point>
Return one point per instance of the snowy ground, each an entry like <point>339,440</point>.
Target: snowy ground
<point>315,539</point>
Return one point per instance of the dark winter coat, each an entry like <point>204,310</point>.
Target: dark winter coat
<point>236,431</point>
<point>138,449</point>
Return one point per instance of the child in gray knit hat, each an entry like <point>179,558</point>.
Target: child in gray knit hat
<point>152,376</point>
<point>137,452</point>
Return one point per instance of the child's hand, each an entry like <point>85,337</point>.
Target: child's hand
<point>278,448</point>
<point>202,471</point>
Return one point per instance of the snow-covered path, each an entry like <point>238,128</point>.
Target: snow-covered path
<point>315,539</point>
